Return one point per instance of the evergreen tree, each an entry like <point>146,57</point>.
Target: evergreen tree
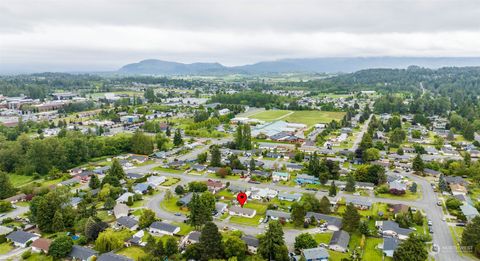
<point>57,222</point>
<point>168,132</point>
<point>350,186</point>
<point>141,143</point>
<point>325,206</point>
<point>60,247</point>
<point>235,247</point>
<point>471,235</point>
<point>177,138</point>
<point>442,183</point>
<point>239,137</point>
<point>272,245</point>
<point>171,246</point>
<point>116,170</point>
<point>94,182</point>
<point>109,203</point>
<point>215,156</point>
<point>418,164</point>
<point>323,177</point>
<point>247,137</point>
<point>412,249</point>
<point>199,213</point>
<point>298,214</point>
<point>6,188</point>
<point>350,218</point>
<point>333,189</point>
<point>252,164</point>
<point>211,242</point>
<point>161,141</point>
<point>147,218</point>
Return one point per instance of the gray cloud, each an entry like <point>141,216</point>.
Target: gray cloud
<point>105,34</point>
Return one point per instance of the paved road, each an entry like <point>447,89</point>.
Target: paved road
<point>19,211</point>
<point>14,254</point>
<point>359,137</point>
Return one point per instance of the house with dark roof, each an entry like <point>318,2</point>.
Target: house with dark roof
<point>101,170</point>
<point>389,245</point>
<point>186,199</point>
<point>131,175</point>
<point>21,238</point>
<point>112,257</point>
<point>198,167</point>
<point>432,172</point>
<point>332,223</point>
<point>315,254</point>
<point>456,180</point>
<point>82,253</point>
<point>290,197</point>
<point>339,241</point>
<point>163,228</point>
<point>359,203</point>
<point>141,188</point>
<point>192,238</point>
<point>392,229</point>
<point>251,242</point>
<point>127,222</point>
<point>276,215</point>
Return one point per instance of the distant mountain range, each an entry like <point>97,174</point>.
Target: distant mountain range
<point>313,65</point>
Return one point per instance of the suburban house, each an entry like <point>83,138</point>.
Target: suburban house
<point>141,188</point>
<point>159,227</point>
<point>359,203</point>
<point>392,229</point>
<point>243,212</point>
<point>276,215</point>
<point>82,253</point>
<point>306,179</point>
<point>156,181</point>
<point>198,167</point>
<point>251,242</point>
<point>389,245</point>
<point>21,238</point>
<point>192,238</point>
<point>294,167</point>
<point>399,208</point>
<point>16,198</point>
<point>5,230</point>
<point>220,208</point>
<point>280,176</point>
<point>214,186</point>
<point>332,223</point>
<point>41,245</point>
<point>127,222</point>
<point>458,189</point>
<point>339,241</point>
<point>455,180</point>
<point>263,193</point>
<point>397,186</point>
<point>469,211</point>
<point>70,182</point>
<point>186,199</point>
<point>112,257</point>
<point>124,197</point>
<point>290,197</point>
<point>131,175</point>
<point>315,254</point>
<point>121,210</point>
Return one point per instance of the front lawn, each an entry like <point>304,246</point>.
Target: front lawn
<point>5,248</point>
<point>134,252</point>
<point>184,228</point>
<point>173,171</point>
<point>323,237</point>
<point>20,180</point>
<point>407,196</point>
<point>171,206</point>
<point>170,181</point>
<point>255,221</point>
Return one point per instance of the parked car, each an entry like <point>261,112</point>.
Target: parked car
<point>439,203</point>
<point>435,248</point>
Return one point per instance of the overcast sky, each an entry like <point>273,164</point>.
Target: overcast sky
<point>90,35</point>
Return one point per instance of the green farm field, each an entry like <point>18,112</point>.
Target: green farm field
<point>309,118</point>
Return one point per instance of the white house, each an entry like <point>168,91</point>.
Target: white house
<point>163,228</point>
<point>278,176</point>
<point>243,212</point>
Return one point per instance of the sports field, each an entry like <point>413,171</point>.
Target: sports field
<point>306,117</point>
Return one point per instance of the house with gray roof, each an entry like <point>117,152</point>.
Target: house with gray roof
<point>389,245</point>
<point>392,229</point>
<point>186,199</point>
<point>121,210</point>
<point>290,197</point>
<point>339,241</point>
<point>332,223</point>
<point>192,238</point>
<point>21,238</point>
<point>5,230</point>
<point>127,222</point>
<point>251,242</point>
<point>469,211</point>
<point>397,185</point>
<point>159,227</point>
<point>359,203</point>
<point>82,253</point>
<point>276,215</point>
<point>112,257</point>
<point>141,188</point>
<point>315,254</point>
<point>243,212</point>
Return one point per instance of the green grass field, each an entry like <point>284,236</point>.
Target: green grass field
<point>309,118</point>
<point>19,180</point>
<point>170,182</point>
<point>133,252</point>
<point>323,237</point>
<point>5,248</point>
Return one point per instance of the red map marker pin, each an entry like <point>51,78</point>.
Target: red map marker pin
<point>242,198</point>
